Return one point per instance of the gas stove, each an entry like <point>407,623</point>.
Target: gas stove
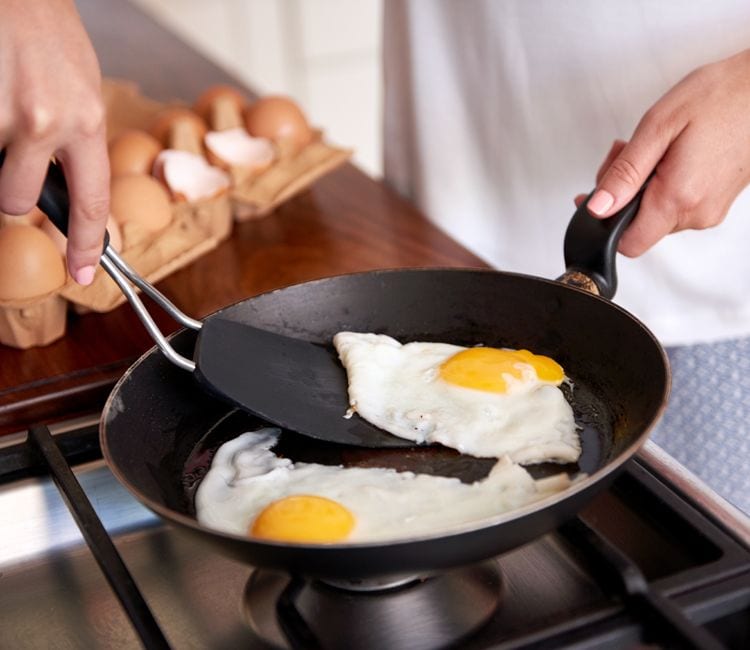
<point>657,559</point>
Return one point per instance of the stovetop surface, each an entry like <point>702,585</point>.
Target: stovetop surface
<point>52,594</point>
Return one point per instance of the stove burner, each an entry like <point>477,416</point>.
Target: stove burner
<point>420,615</point>
<point>370,585</point>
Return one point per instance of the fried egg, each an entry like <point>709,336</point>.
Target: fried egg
<point>485,402</point>
<point>250,491</point>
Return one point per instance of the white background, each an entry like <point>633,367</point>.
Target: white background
<point>323,53</point>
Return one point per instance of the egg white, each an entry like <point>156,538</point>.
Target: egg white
<point>246,476</point>
<point>399,389</point>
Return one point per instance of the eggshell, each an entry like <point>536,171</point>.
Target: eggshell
<point>177,127</point>
<point>279,119</point>
<point>142,200</point>
<point>235,147</point>
<point>221,107</point>
<point>188,176</point>
<point>30,264</point>
<point>132,152</point>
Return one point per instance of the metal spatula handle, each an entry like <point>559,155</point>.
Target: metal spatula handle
<point>123,274</point>
<point>54,201</point>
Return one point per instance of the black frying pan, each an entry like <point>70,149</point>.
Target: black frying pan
<point>159,428</point>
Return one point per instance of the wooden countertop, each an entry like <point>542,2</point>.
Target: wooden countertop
<point>346,222</point>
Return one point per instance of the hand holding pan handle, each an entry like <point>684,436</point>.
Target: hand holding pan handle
<point>591,247</point>
<point>54,201</point>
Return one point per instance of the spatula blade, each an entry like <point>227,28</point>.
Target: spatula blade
<point>289,382</point>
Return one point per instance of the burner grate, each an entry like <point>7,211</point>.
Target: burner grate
<point>622,578</point>
<point>41,443</point>
<point>23,460</point>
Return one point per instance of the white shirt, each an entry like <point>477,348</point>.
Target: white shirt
<point>498,112</point>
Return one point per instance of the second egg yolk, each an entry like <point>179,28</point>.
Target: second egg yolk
<point>304,518</point>
<point>483,368</point>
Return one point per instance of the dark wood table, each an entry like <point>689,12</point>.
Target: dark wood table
<point>346,222</point>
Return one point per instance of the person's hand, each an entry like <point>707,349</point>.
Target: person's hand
<point>51,105</point>
<point>697,138</point>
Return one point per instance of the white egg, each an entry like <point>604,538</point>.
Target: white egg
<point>483,402</point>
<point>382,504</point>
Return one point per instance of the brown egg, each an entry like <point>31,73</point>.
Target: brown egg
<point>58,239</point>
<point>30,264</point>
<point>140,199</point>
<point>221,107</point>
<point>280,119</point>
<point>33,218</point>
<point>115,234</point>
<point>179,128</point>
<point>61,242</point>
<point>133,152</point>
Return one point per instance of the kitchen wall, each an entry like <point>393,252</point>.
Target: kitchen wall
<point>324,53</point>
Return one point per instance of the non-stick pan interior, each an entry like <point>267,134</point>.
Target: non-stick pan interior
<point>161,429</point>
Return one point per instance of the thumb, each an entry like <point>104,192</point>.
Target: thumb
<point>628,171</point>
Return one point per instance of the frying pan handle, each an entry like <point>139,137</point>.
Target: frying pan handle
<point>591,246</point>
<point>54,200</point>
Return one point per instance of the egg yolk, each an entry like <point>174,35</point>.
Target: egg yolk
<point>303,518</point>
<point>483,368</point>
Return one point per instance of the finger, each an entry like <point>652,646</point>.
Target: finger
<point>86,169</point>
<point>21,177</point>
<point>614,151</point>
<point>654,220</point>
<point>631,167</point>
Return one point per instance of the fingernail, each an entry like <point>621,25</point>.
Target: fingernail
<point>600,202</point>
<point>85,275</point>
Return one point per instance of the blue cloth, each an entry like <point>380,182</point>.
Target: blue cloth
<point>706,426</point>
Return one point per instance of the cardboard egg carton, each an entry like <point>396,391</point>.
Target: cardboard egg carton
<point>195,228</point>
<point>291,173</point>
<point>32,323</point>
<point>252,195</point>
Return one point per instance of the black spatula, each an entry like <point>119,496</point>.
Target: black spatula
<point>292,383</point>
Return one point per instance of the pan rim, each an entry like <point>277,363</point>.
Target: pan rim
<point>579,485</point>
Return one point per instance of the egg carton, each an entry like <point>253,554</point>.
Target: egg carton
<point>195,228</point>
<point>252,195</point>
<point>33,323</point>
<point>199,226</point>
<point>290,174</point>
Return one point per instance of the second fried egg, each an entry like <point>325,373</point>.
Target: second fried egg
<point>249,490</point>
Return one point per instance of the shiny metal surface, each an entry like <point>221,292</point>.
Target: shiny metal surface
<point>114,265</point>
<point>150,290</point>
<point>52,594</point>
<point>434,613</point>
<point>734,520</point>
<point>35,522</point>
